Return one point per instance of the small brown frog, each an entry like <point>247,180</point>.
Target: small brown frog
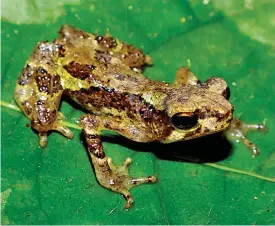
<point>103,75</point>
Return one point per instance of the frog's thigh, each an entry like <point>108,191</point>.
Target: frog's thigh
<point>128,54</point>
<point>115,178</point>
<point>185,77</point>
<point>39,90</point>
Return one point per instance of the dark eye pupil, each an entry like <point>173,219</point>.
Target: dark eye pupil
<point>184,122</point>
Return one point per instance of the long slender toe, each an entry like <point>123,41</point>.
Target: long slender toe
<point>143,180</point>
<point>43,139</point>
<point>238,129</point>
<point>63,129</point>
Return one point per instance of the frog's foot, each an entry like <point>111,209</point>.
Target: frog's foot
<point>238,129</point>
<point>63,129</point>
<point>60,116</point>
<point>43,139</point>
<point>117,178</point>
<point>57,126</point>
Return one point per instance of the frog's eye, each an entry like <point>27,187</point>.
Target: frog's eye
<point>184,121</point>
<point>218,85</point>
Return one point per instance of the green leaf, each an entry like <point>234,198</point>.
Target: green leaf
<point>232,39</point>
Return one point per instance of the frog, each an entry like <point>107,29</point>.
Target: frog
<point>103,75</point>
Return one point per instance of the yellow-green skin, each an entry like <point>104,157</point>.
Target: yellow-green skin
<point>103,75</point>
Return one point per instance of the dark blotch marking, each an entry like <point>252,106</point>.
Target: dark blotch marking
<point>137,108</point>
<point>61,50</point>
<point>46,115</point>
<point>133,57</point>
<point>43,80</point>
<point>204,112</point>
<point>103,57</point>
<point>44,119</point>
<point>81,71</point>
<point>94,145</point>
<point>56,84</point>
<point>93,140</point>
<point>106,42</point>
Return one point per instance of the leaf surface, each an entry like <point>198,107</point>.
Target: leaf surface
<point>232,39</point>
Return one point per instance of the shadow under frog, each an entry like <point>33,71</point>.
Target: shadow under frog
<point>212,148</point>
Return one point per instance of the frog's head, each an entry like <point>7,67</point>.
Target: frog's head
<point>199,110</point>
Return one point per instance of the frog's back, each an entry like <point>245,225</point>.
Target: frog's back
<point>100,73</point>
<point>102,82</point>
<point>88,60</point>
<point>97,71</point>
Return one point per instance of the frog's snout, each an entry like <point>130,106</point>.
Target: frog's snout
<point>215,120</point>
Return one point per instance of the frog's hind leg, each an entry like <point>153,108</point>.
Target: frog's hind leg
<point>238,129</point>
<point>185,77</point>
<point>134,57</point>
<point>130,55</point>
<point>39,90</point>
<point>115,178</point>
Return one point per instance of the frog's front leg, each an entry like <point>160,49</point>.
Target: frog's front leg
<point>39,90</point>
<point>238,130</point>
<point>115,178</point>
